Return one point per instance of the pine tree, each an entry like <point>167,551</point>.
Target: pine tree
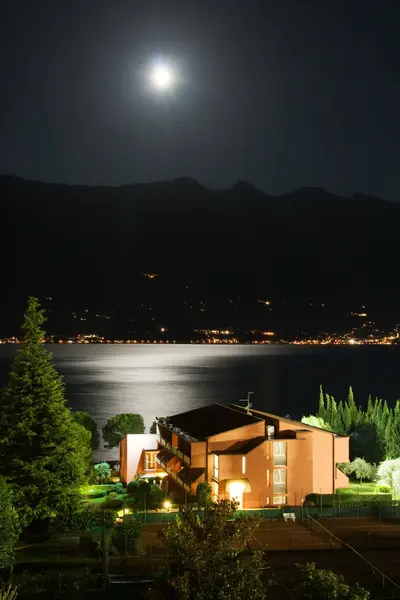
<point>43,452</point>
<point>9,527</point>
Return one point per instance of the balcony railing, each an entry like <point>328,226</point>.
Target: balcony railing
<point>175,450</point>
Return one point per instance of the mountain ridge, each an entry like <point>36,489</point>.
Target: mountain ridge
<point>189,182</point>
<point>82,244</point>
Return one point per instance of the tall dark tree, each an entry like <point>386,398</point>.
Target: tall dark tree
<point>87,420</point>
<point>9,527</point>
<point>393,435</point>
<point>321,408</point>
<point>375,431</point>
<point>43,452</point>
<point>352,407</point>
<point>119,426</point>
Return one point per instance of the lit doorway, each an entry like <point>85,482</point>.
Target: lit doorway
<point>236,492</point>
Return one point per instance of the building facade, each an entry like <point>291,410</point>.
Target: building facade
<point>137,456</point>
<point>257,458</point>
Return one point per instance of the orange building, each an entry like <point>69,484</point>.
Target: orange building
<point>256,457</point>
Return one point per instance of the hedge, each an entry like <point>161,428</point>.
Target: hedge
<point>327,500</point>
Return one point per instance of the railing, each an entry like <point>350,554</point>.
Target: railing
<point>175,450</point>
<point>334,541</point>
<point>385,581</point>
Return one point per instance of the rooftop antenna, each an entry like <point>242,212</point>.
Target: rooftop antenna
<point>248,400</point>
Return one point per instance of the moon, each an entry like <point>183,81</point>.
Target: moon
<point>162,77</point>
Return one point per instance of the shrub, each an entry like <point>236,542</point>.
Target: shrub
<point>96,495</point>
<point>113,503</point>
<point>156,496</point>
<point>118,488</point>
<point>131,487</point>
<point>84,518</point>
<point>132,530</point>
<point>383,489</point>
<point>8,593</point>
<point>102,472</point>
<point>203,493</point>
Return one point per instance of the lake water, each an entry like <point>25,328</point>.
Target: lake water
<point>156,380</point>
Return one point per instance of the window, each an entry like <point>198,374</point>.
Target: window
<point>216,467</point>
<point>150,461</point>
<point>279,500</point>
<point>243,465</point>
<point>267,477</point>
<point>279,481</point>
<point>279,453</point>
<point>280,476</point>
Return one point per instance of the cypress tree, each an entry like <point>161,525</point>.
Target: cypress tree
<point>393,435</point>
<point>352,406</point>
<point>340,417</point>
<point>387,441</point>
<point>328,410</point>
<point>337,426</point>
<point>347,420</point>
<point>370,409</point>
<point>321,408</point>
<point>43,451</point>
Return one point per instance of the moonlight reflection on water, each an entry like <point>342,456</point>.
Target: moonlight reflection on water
<point>163,380</point>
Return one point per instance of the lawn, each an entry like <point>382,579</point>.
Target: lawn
<point>367,487</point>
<point>96,489</point>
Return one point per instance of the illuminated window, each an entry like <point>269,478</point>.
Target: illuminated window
<point>279,476</point>
<point>216,467</point>
<point>279,500</point>
<point>243,465</point>
<point>279,486</point>
<point>150,461</point>
<point>267,477</point>
<point>279,453</point>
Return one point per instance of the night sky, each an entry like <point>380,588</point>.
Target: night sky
<point>279,93</point>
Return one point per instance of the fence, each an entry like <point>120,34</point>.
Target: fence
<point>392,588</point>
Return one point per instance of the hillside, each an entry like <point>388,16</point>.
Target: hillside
<point>90,245</point>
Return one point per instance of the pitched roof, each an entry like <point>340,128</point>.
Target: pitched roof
<point>305,426</point>
<point>243,446</point>
<point>202,423</point>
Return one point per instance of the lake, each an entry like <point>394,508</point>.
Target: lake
<point>157,380</point>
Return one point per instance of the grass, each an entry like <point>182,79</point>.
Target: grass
<point>96,489</point>
<point>367,487</point>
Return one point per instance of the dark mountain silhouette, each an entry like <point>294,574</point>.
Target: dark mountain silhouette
<point>90,245</point>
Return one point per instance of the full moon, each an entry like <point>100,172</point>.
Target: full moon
<point>162,77</point>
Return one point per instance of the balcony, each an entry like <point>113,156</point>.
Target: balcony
<point>175,450</point>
